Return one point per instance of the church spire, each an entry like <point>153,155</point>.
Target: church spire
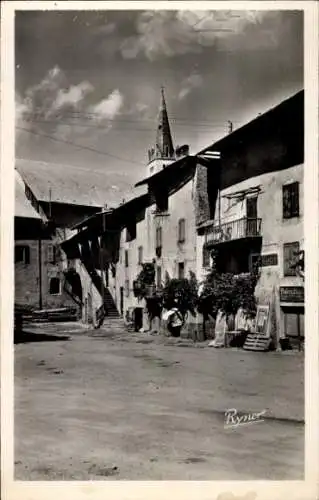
<point>164,143</point>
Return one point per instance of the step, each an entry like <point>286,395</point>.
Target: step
<point>256,343</point>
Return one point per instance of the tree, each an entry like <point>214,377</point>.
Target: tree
<point>228,292</point>
<point>181,293</point>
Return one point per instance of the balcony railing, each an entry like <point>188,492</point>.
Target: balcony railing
<point>234,230</point>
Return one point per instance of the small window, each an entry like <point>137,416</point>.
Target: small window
<point>159,277</point>
<point>181,231</point>
<point>206,257</point>
<point>290,200</point>
<point>127,288</point>
<point>291,252</point>
<point>140,255</point>
<point>158,242</point>
<point>22,254</point>
<point>181,270</point>
<point>54,286</point>
<point>126,258</point>
<point>51,253</point>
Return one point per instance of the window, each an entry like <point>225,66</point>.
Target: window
<point>54,286</point>
<point>126,258</point>
<point>127,288</point>
<point>251,207</point>
<point>181,268</point>
<point>131,232</point>
<point>290,200</point>
<point>206,257</point>
<point>22,254</point>
<point>158,243</point>
<point>51,254</point>
<point>140,255</point>
<point>291,251</point>
<point>181,230</point>
<point>159,277</point>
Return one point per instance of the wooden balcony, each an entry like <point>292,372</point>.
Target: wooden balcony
<point>234,230</point>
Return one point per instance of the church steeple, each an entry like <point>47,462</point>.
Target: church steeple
<point>164,142</point>
<point>164,149</point>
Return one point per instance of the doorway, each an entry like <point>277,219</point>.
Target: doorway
<point>294,324</point>
<point>90,308</point>
<point>251,214</point>
<point>122,300</point>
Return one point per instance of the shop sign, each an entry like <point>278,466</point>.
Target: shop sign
<point>270,259</point>
<point>292,294</point>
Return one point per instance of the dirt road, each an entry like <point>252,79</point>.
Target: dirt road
<point>133,407</point>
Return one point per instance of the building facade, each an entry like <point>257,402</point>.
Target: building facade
<point>165,233</point>
<point>257,212</point>
<point>44,277</point>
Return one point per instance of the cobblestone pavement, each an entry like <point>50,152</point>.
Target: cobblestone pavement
<point>108,404</point>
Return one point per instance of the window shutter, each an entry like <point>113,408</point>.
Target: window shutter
<point>290,251</point>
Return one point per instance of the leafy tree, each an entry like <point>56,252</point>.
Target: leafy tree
<point>181,293</point>
<point>228,292</point>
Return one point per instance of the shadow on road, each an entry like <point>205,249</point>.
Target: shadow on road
<point>25,337</point>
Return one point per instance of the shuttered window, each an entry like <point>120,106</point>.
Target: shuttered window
<point>127,288</point>
<point>51,254</point>
<point>181,231</point>
<point>290,200</point>
<point>140,255</point>
<point>291,251</point>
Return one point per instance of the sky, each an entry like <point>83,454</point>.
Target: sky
<point>88,82</point>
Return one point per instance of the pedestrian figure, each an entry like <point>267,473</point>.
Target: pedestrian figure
<point>175,322</point>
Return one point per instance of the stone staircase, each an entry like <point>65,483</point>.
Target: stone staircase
<point>255,342</point>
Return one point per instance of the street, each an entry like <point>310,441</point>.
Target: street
<point>123,406</point>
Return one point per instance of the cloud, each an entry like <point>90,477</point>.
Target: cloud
<point>191,82</point>
<point>108,108</point>
<point>54,107</point>
<point>73,96</point>
<point>170,33</point>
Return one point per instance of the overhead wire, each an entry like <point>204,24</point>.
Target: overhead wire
<point>80,146</point>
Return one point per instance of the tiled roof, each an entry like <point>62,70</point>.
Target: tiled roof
<point>67,184</point>
<point>23,207</point>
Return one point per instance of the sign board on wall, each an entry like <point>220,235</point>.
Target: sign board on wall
<point>270,259</point>
<point>294,294</point>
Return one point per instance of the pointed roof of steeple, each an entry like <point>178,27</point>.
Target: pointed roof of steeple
<point>164,143</point>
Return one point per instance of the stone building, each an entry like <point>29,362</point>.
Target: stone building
<point>61,196</point>
<point>255,202</point>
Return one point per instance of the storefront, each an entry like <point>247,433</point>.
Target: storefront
<point>292,315</point>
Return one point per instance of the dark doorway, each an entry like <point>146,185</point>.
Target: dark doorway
<point>121,300</point>
<point>181,270</point>
<point>251,208</point>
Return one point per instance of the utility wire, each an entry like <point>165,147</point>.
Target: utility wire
<point>105,153</point>
<point>117,124</point>
<point>203,121</point>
